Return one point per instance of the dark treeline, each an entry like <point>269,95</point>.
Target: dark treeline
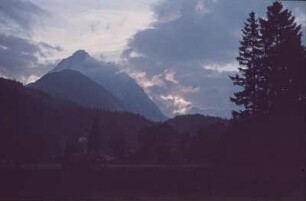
<point>35,126</point>
<point>38,128</point>
<point>260,152</point>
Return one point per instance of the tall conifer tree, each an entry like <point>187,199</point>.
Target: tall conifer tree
<point>283,61</point>
<point>272,66</point>
<point>248,77</point>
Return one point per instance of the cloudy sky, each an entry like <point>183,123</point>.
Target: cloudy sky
<point>180,51</point>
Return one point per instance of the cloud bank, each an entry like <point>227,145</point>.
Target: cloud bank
<point>184,58</point>
<point>20,55</point>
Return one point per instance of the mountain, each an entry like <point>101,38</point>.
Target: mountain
<point>34,125</point>
<point>118,83</point>
<point>73,86</point>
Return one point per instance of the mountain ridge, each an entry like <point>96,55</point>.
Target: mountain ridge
<point>120,84</point>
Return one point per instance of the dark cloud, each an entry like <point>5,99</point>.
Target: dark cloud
<point>188,38</point>
<point>210,34</point>
<point>11,58</point>
<point>19,53</point>
<point>22,13</point>
<point>19,57</point>
<point>185,32</point>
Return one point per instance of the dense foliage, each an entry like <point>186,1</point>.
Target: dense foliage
<point>272,66</point>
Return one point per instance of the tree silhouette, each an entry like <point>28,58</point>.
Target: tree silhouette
<point>118,145</point>
<point>94,138</point>
<point>250,53</point>
<point>272,66</point>
<point>284,61</point>
<point>158,144</point>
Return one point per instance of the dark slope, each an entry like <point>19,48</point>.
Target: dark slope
<point>74,86</point>
<point>118,83</point>
<point>33,124</point>
<point>192,123</point>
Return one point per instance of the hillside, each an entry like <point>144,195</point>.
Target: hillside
<point>192,123</point>
<point>75,87</point>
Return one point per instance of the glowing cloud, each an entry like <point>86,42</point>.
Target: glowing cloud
<point>179,104</point>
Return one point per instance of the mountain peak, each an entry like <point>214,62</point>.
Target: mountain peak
<point>75,61</point>
<point>80,54</point>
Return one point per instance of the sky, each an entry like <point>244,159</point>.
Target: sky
<point>180,51</point>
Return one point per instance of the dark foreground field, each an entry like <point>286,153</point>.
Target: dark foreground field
<point>110,181</point>
<point>148,181</point>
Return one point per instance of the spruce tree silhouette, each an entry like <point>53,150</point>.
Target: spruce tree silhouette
<point>250,53</point>
<point>283,60</point>
<point>272,66</point>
